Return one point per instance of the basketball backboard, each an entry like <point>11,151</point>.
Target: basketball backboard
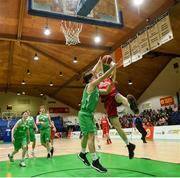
<point>96,12</point>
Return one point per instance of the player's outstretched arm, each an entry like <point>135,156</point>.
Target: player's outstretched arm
<point>98,67</point>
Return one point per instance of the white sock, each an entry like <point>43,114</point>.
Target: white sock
<point>94,156</point>
<point>83,150</point>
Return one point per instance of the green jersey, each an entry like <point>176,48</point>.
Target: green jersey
<point>21,130</point>
<point>45,119</point>
<point>89,101</point>
<point>30,122</point>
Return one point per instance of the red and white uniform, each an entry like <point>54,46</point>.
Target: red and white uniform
<point>105,125</point>
<point>109,101</point>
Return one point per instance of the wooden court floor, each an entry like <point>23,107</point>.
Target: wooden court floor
<point>167,151</point>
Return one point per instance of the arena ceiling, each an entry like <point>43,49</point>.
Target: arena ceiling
<point>21,37</point>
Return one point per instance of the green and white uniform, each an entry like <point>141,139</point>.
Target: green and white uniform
<point>44,128</point>
<point>30,121</point>
<point>88,106</point>
<point>20,135</point>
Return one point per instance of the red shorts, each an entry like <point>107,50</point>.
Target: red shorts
<point>105,130</point>
<point>111,107</point>
<point>52,135</point>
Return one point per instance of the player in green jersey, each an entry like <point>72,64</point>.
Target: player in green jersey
<point>87,124</point>
<point>32,129</point>
<point>44,121</point>
<point>20,137</point>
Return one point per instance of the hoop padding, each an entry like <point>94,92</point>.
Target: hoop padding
<point>71,31</point>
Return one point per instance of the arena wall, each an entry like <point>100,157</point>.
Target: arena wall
<point>167,83</point>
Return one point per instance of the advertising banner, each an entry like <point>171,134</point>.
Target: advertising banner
<point>126,53</point>
<point>169,100</point>
<point>165,30</point>
<point>143,41</point>
<point>167,132</point>
<point>154,37</point>
<point>135,49</point>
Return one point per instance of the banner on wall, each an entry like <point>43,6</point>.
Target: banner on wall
<point>167,132</point>
<point>165,30</point>
<point>153,35</point>
<point>154,133</point>
<point>135,49</point>
<point>146,106</point>
<point>169,100</point>
<point>143,41</point>
<point>150,132</point>
<point>58,110</point>
<point>126,53</point>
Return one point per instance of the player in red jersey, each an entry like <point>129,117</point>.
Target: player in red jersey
<point>112,98</point>
<point>105,128</point>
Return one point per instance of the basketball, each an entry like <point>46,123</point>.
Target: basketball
<point>107,59</point>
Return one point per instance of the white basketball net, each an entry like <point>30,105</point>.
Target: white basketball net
<point>71,31</point>
<point>8,115</point>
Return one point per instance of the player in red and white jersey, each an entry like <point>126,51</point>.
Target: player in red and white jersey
<point>112,98</point>
<point>105,128</point>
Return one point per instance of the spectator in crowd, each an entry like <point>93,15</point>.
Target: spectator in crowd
<point>149,117</point>
<point>174,117</point>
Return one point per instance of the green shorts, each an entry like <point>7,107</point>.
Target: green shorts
<point>45,135</point>
<point>86,121</point>
<point>32,135</point>
<point>19,143</point>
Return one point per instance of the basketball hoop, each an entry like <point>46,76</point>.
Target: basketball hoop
<point>9,116</point>
<point>71,31</point>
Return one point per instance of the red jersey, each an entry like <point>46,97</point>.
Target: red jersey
<point>104,123</point>
<point>104,85</point>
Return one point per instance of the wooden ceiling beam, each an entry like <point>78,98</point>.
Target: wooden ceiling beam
<point>50,57</point>
<point>31,40</point>
<point>10,64</point>
<point>20,20</point>
<point>155,54</point>
<point>37,86</point>
<point>75,77</point>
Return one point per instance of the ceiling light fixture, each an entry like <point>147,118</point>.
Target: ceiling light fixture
<point>36,58</point>
<point>60,74</point>
<point>97,38</point>
<point>23,93</point>
<point>47,31</point>
<point>18,93</point>
<point>41,94</point>
<point>138,2</point>
<point>75,60</point>
<point>28,72</point>
<point>23,82</point>
<point>51,84</point>
<point>130,82</point>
